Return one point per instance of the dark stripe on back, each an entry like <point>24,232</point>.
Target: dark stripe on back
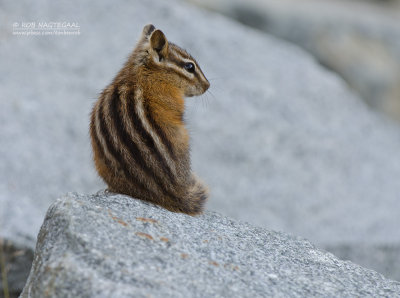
<point>160,132</point>
<point>95,137</point>
<point>133,148</point>
<point>107,138</point>
<point>147,138</point>
<point>114,152</point>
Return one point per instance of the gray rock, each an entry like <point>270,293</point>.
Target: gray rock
<point>282,143</point>
<point>381,257</point>
<point>114,246</point>
<point>358,40</point>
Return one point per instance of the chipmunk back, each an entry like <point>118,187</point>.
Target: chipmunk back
<point>139,140</point>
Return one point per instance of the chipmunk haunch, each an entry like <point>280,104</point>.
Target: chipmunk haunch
<point>139,140</point>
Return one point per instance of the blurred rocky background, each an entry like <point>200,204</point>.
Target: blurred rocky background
<point>283,142</point>
<point>359,40</point>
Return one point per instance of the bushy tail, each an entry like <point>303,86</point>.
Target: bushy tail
<point>196,197</point>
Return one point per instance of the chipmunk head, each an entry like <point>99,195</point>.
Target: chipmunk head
<point>169,63</point>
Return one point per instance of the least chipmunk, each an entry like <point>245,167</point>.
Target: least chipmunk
<point>140,143</point>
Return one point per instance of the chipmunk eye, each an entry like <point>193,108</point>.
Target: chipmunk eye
<point>189,67</point>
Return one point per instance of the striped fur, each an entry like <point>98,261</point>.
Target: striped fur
<point>140,143</point>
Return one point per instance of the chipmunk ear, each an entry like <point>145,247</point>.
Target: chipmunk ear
<point>159,43</point>
<point>147,30</point>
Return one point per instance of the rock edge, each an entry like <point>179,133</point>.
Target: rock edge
<point>107,245</point>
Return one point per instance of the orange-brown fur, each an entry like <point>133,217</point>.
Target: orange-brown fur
<point>140,143</point>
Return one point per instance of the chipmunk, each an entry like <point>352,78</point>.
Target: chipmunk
<point>138,135</point>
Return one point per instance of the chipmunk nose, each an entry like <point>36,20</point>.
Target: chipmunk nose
<point>206,85</point>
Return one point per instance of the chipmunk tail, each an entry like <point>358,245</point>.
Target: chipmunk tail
<point>196,197</point>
